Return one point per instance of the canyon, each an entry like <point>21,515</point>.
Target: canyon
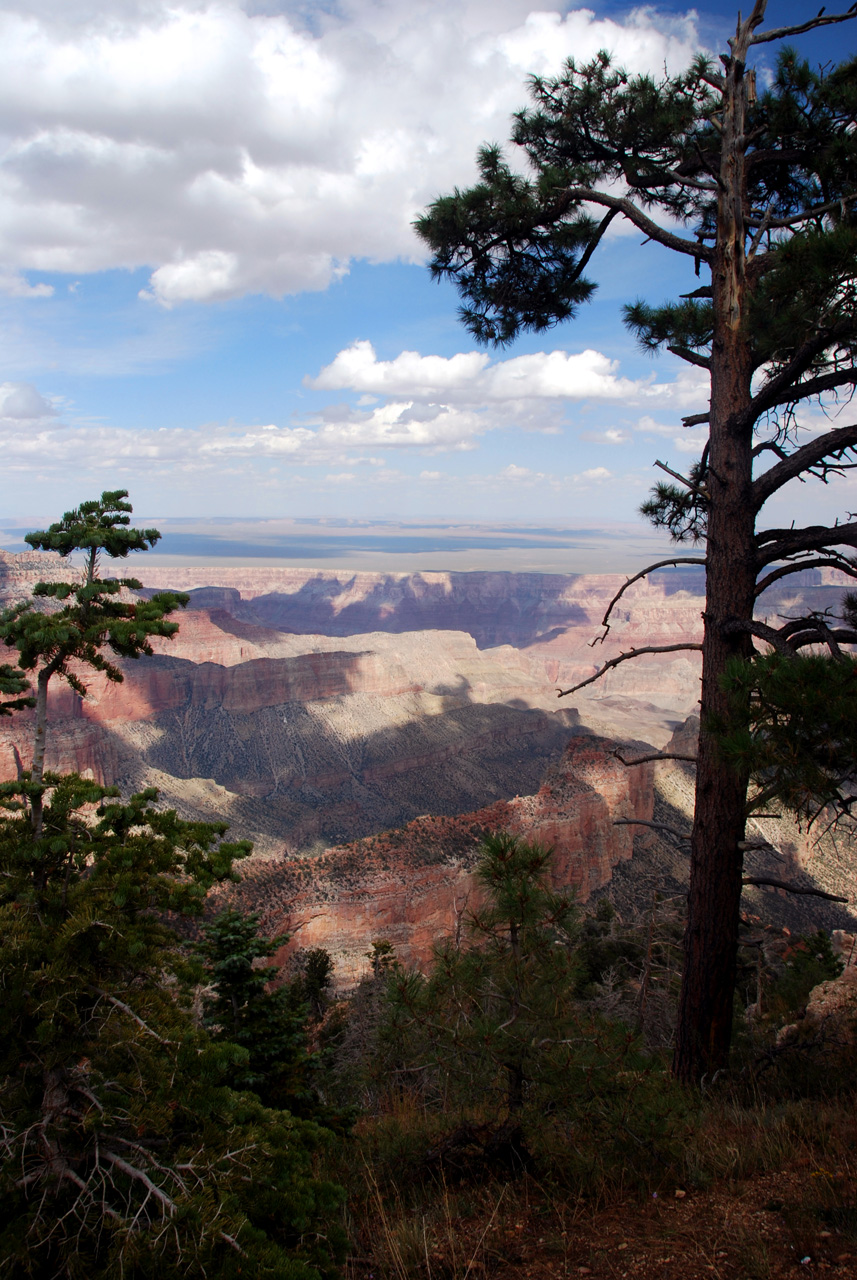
<point>316,710</point>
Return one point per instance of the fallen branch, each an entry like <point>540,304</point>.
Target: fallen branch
<point>792,888</point>
<point>626,657</point>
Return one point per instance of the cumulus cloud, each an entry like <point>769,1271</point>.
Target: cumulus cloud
<point>238,148</point>
<point>20,402</point>
<point>470,378</point>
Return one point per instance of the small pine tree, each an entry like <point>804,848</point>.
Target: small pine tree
<point>495,1007</point>
<point>269,1025</point>
<point>78,621</point>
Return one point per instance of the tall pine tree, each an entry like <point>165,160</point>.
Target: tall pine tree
<point>757,191</point>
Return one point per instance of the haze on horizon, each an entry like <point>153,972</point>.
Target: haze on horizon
<point>211,293</point>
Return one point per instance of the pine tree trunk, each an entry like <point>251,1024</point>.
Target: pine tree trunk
<point>711,940</point>
<point>39,743</point>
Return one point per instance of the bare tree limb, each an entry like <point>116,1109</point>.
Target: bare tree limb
<point>783,33</point>
<point>138,1175</point>
<point>792,888</point>
<point>811,454</point>
<point>105,995</point>
<point>779,544</point>
<point>834,561</point>
<point>650,228</point>
<point>629,582</point>
<point>626,657</point>
<point>691,357</point>
<point>795,219</point>
<point>657,755</point>
<point>657,826</point>
<point>676,475</point>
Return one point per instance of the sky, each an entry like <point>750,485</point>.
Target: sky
<point>211,293</point>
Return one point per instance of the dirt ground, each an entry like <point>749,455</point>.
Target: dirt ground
<point>799,1223</point>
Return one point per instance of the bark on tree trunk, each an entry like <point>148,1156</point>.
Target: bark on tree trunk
<point>711,940</point>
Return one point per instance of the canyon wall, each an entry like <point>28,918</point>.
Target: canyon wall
<point>415,885</point>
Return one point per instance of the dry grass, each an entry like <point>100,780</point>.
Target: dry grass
<point>755,1192</point>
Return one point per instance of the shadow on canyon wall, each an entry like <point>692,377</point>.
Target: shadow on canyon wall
<point>518,609</point>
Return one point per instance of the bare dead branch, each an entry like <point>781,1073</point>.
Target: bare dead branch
<point>834,561</point>
<point>690,356</point>
<point>792,888</point>
<point>629,582</point>
<point>688,484</point>
<point>105,995</point>
<point>795,219</point>
<point>657,826</point>
<point>635,215</point>
<point>825,447</point>
<point>779,544</point>
<point>658,755</point>
<point>138,1175</point>
<point>626,657</point>
<point>761,631</point>
<point>695,419</point>
<point>783,33</point>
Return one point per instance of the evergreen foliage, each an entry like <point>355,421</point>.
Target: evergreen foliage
<point>122,1149</point>
<point>270,1025</point>
<point>72,624</point>
<point>798,738</point>
<point>15,689</point>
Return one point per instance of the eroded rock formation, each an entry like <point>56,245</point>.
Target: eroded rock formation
<point>414,885</point>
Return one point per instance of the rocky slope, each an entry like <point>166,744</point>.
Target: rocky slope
<point>414,885</point>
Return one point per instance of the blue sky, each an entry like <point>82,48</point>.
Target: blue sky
<point>210,293</point>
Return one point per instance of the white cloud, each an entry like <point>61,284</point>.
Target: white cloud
<point>238,148</point>
<point>470,378</point>
<point>14,285</point>
<point>20,402</point>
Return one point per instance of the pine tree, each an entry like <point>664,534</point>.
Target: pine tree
<point>77,621</point>
<point>496,1008</point>
<point>761,189</point>
<point>271,1025</point>
<point>123,1150</point>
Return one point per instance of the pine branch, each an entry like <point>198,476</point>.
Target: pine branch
<point>691,357</point>
<point>657,826</point>
<point>833,561</point>
<point>658,755</point>
<point>815,211</point>
<point>691,248</point>
<point>626,657</point>
<point>778,544</point>
<point>784,387</point>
